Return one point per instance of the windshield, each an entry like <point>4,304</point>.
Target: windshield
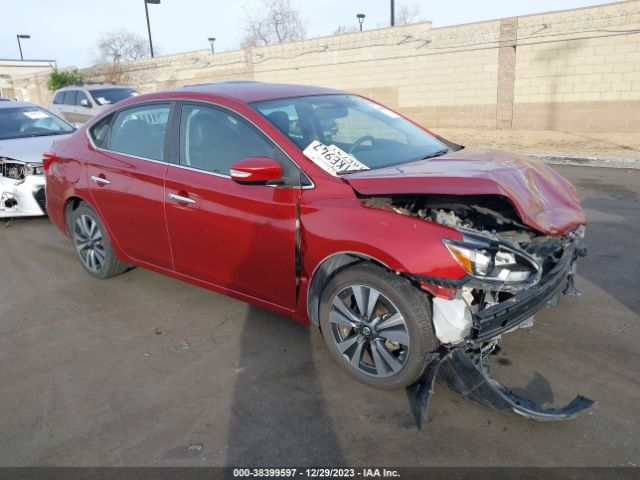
<point>372,134</point>
<point>107,96</point>
<point>32,121</point>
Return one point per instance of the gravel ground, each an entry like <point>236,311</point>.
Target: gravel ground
<point>612,145</point>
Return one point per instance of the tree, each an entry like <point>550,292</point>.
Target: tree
<point>407,15</point>
<point>276,22</point>
<point>58,79</point>
<point>121,45</point>
<point>342,29</point>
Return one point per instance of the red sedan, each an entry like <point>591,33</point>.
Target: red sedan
<point>404,248</point>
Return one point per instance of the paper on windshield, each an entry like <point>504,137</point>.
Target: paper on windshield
<point>103,101</point>
<point>332,159</point>
<point>36,114</point>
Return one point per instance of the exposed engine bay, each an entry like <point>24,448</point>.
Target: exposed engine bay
<point>512,272</point>
<point>21,189</point>
<point>501,255</point>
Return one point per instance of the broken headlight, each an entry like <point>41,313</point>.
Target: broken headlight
<point>492,261</point>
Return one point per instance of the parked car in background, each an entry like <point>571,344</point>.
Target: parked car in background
<point>3,99</point>
<point>411,253</point>
<point>26,132</point>
<point>79,103</point>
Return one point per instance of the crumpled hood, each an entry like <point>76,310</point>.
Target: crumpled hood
<point>544,200</point>
<point>28,149</point>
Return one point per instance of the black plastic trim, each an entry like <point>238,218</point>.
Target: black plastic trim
<point>505,315</point>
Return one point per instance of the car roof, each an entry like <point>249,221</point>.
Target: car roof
<point>18,104</point>
<point>250,91</point>
<point>93,86</point>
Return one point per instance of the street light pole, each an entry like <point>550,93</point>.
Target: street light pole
<point>360,19</point>
<point>146,10</point>
<point>393,13</point>
<point>19,36</point>
<point>211,41</point>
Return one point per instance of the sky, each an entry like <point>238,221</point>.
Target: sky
<point>67,30</point>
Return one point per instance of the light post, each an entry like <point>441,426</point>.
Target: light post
<point>360,19</point>
<point>19,36</point>
<point>393,13</point>
<point>212,41</point>
<point>146,10</point>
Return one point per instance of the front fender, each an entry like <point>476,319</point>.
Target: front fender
<point>403,243</point>
<point>338,232</point>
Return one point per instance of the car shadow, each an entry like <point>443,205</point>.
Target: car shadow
<point>278,413</point>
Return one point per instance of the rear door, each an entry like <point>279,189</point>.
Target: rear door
<point>126,178</point>
<point>239,237</point>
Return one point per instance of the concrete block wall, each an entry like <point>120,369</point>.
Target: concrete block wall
<point>579,70</point>
<point>571,70</point>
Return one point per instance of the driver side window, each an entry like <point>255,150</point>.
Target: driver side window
<point>213,140</point>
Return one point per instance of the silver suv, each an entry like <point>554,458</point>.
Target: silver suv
<point>78,104</point>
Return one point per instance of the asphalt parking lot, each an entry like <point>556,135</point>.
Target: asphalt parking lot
<point>146,370</point>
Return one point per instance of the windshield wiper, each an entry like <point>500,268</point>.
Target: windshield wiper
<point>436,154</point>
<point>353,170</point>
<point>47,134</point>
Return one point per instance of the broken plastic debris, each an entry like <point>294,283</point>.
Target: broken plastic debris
<point>465,377</point>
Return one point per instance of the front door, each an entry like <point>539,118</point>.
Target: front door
<point>238,237</point>
<point>82,113</point>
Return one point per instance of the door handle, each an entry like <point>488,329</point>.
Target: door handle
<point>100,180</point>
<point>181,199</point>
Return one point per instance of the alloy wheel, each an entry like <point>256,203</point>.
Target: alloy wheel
<point>89,242</point>
<point>369,331</point>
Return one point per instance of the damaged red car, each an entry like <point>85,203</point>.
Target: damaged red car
<point>412,254</point>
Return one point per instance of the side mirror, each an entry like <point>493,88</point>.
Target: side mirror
<point>85,103</point>
<point>256,170</point>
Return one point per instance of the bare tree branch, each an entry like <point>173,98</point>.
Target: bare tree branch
<point>121,46</point>
<point>342,29</point>
<point>407,15</point>
<point>277,22</point>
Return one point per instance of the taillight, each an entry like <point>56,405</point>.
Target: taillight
<point>47,158</point>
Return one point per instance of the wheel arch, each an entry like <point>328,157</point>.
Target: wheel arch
<point>71,204</point>
<point>326,270</point>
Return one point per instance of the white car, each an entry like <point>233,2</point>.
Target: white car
<point>26,132</point>
<point>79,103</point>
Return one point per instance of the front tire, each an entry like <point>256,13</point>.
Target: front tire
<point>377,326</point>
<point>92,244</point>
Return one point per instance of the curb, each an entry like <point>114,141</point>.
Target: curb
<point>628,163</point>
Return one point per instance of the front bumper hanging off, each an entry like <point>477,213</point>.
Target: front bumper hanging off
<point>468,378</point>
<point>467,372</point>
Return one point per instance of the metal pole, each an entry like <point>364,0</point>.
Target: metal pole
<point>146,10</point>
<point>20,47</point>
<point>393,13</point>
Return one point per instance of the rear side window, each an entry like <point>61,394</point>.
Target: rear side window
<point>140,131</point>
<point>100,132</point>
<point>70,97</point>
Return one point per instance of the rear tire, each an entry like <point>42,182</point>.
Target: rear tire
<point>92,244</point>
<point>377,326</point>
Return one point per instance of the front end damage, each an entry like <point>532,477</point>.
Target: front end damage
<point>512,271</point>
<point>22,189</point>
